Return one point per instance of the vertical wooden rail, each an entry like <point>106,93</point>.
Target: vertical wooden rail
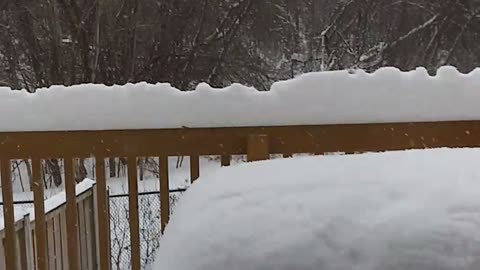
<point>194,168</point>
<point>58,241</point>
<point>8,215</point>
<point>164,192</point>
<point>102,214</point>
<point>72,217</point>
<point>28,242</point>
<point>133,212</point>
<point>225,160</point>
<point>40,225</point>
<point>82,235</point>
<point>257,148</point>
<point>63,232</point>
<point>51,244</point>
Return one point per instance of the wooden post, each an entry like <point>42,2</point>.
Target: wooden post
<point>8,215</point>
<point>225,160</point>
<point>194,168</point>
<point>72,217</point>
<point>40,224</point>
<point>133,212</point>
<point>164,192</point>
<point>102,216</point>
<point>257,148</point>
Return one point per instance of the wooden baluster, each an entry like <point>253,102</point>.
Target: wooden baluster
<point>164,192</point>
<point>72,217</point>
<point>40,223</point>
<point>225,160</point>
<point>194,168</point>
<point>133,212</point>
<point>102,214</point>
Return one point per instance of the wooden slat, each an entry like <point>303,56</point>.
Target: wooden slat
<point>90,240</point>
<point>58,242</point>
<point>257,148</point>
<point>108,225</point>
<point>164,192</point>
<point>225,160</point>
<point>133,212</point>
<point>102,213</point>
<point>8,215</point>
<point>194,168</point>
<point>40,225</point>
<point>82,235</point>
<point>63,235</point>
<point>34,248</point>
<point>72,216</point>
<point>51,245</point>
<point>28,243</point>
<point>17,247</point>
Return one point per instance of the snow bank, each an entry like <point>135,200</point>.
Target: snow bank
<point>387,95</point>
<point>415,210</point>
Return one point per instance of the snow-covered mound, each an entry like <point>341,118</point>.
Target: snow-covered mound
<point>336,97</point>
<point>414,210</point>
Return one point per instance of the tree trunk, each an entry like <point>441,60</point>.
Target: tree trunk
<point>81,171</point>
<point>55,173</point>
<point>112,167</point>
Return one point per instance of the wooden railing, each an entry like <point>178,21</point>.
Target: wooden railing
<point>56,235</point>
<point>256,142</point>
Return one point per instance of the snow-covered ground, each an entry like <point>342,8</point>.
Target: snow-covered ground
<point>388,95</point>
<point>415,210</point>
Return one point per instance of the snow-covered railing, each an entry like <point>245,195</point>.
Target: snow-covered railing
<point>315,113</point>
<point>56,251</point>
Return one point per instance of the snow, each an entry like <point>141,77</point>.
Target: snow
<point>314,98</point>
<point>415,210</point>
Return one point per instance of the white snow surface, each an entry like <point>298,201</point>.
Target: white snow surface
<point>412,210</point>
<point>388,95</point>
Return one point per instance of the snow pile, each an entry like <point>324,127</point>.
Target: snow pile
<point>415,210</point>
<point>387,95</point>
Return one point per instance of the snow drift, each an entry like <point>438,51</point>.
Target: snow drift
<point>336,97</point>
<point>413,210</point>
